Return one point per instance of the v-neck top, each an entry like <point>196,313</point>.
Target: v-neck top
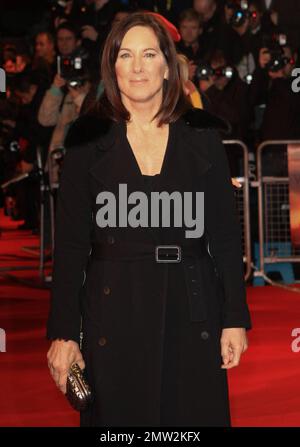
<point>150,179</point>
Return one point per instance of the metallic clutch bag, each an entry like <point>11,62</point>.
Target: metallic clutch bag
<point>78,390</point>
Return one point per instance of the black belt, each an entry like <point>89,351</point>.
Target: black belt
<point>124,251</point>
<point>189,253</point>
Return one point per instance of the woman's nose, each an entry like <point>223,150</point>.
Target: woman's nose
<point>137,64</point>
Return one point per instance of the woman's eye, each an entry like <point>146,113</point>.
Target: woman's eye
<point>150,55</point>
<point>124,55</point>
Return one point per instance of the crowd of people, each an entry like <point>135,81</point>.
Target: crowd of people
<point>236,60</point>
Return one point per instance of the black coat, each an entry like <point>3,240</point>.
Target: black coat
<point>231,104</point>
<point>151,330</point>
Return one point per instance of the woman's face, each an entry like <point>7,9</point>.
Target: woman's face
<point>140,66</point>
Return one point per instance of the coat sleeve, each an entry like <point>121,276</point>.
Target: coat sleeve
<point>224,236</point>
<point>73,229</point>
<point>50,107</point>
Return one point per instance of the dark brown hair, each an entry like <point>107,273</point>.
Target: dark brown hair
<point>174,103</point>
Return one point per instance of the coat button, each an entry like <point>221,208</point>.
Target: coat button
<point>102,341</point>
<point>204,335</point>
<point>110,240</point>
<point>106,290</point>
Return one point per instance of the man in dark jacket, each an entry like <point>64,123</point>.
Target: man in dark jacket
<point>227,97</point>
<point>284,14</point>
<point>30,134</point>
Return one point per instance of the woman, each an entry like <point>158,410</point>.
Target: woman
<point>161,326</point>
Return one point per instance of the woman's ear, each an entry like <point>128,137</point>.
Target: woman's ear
<point>166,75</point>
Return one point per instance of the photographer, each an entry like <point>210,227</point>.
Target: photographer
<point>257,29</point>
<point>61,106</point>
<point>63,11</point>
<point>284,14</point>
<point>227,97</point>
<point>93,19</point>
<point>282,114</point>
<point>227,94</point>
<point>101,14</point>
<point>273,74</point>
<point>246,19</point>
<point>27,91</point>
<point>68,39</point>
<point>217,34</point>
<point>191,28</point>
<point>8,154</point>
<point>44,60</point>
<point>272,94</point>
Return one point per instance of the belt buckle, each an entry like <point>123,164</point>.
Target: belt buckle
<point>159,255</point>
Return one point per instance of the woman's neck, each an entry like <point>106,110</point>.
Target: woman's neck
<point>142,117</point>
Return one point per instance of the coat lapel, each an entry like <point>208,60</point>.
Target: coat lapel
<point>184,160</point>
<point>116,162</point>
<point>182,167</point>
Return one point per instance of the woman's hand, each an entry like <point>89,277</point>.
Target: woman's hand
<point>61,355</point>
<point>233,343</point>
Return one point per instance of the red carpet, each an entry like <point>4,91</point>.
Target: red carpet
<point>265,388</point>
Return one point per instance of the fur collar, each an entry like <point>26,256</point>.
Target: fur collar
<point>88,128</point>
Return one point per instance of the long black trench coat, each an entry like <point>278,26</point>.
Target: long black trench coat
<point>151,331</point>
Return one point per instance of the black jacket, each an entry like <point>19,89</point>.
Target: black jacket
<point>232,105</point>
<point>127,297</point>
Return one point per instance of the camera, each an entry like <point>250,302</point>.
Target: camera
<point>69,66</point>
<point>275,44</point>
<point>274,41</point>
<point>72,69</point>
<point>240,13</point>
<point>205,71</point>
